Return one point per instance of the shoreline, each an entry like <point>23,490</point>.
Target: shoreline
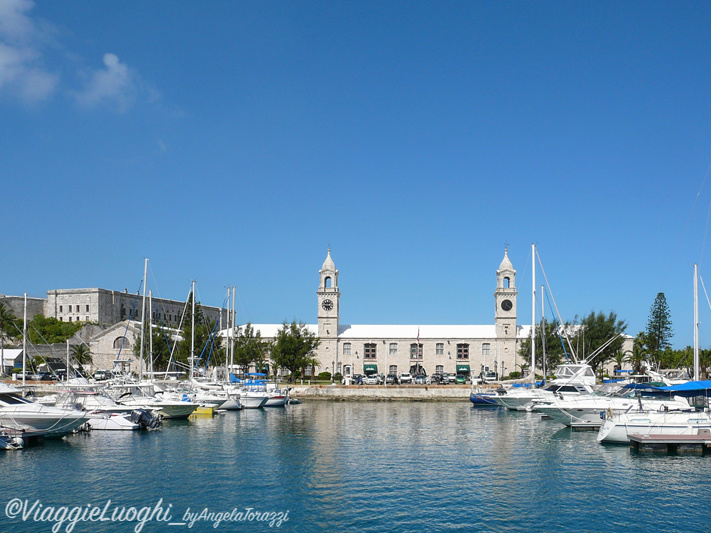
<point>380,393</point>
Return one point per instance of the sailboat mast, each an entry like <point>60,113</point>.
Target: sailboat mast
<point>192,332</point>
<point>143,319</point>
<point>696,323</point>
<point>533,312</point>
<point>24,343</point>
<point>150,333</point>
<point>232,337</point>
<point>543,332</point>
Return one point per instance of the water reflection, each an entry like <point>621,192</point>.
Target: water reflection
<point>346,466</point>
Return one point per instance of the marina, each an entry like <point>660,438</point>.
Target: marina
<point>368,466</point>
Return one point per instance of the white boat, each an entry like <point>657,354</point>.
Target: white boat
<point>570,380</point>
<point>588,411</point>
<point>277,397</point>
<point>142,396</point>
<point>111,421</point>
<point>18,413</point>
<point>617,428</point>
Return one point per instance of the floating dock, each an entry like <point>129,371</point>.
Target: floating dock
<point>672,444</point>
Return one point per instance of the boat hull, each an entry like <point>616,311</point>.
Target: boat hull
<point>617,429</point>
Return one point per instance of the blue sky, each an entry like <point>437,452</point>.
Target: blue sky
<point>233,142</point>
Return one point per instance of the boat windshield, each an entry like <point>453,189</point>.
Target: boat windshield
<point>12,399</point>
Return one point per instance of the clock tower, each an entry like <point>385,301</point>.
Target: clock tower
<point>328,298</point>
<point>505,298</point>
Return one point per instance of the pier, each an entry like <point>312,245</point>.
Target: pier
<point>672,444</point>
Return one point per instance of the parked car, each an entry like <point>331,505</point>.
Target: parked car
<point>422,380</point>
<point>357,379</point>
<point>443,379</point>
<point>370,380</point>
<point>488,375</point>
<point>405,377</point>
<point>40,376</point>
<point>461,379</point>
<point>391,379</point>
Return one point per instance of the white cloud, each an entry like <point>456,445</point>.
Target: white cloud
<point>114,85</point>
<point>22,74</point>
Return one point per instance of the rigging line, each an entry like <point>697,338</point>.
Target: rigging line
<point>175,344</point>
<point>555,306</point>
<point>128,322</point>
<point>705,293</point>
<point>706,231</point>
<point>558,329</point>
<point>686,225</point>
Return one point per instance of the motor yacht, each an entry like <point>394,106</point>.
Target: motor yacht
<point>588,411</point>
<point>31,418</point>
<point>571,379</point>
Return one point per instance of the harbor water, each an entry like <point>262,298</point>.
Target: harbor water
<point>352,466</point>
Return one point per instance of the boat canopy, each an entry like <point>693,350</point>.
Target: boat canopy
<point>690,388</point>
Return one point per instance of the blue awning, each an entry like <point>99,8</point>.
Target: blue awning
<point>690,388</point>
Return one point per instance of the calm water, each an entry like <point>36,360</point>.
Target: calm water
<point>394,467</point>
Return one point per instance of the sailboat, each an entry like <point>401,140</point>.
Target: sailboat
<point>617,427</point>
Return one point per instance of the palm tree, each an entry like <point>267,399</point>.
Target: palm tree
<point>82,355</point>
<point>636,357</point>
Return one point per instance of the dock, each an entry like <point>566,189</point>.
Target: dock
<point>672,444</point>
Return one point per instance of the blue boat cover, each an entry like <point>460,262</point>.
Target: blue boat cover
<point>696,387</point>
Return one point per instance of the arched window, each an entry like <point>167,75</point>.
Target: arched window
<point>327,282</point>
<point>507,283</point>
<point>119,340</point>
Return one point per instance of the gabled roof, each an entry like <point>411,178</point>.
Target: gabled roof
<point>10,354</point>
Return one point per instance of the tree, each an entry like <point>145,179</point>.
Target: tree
<point>206,344</point>
<point>294,348</point>
<point>593,331</point>
<point>597,329</point>
<point>555,352</point>
<point>7,324</point>
<point>249,347</point>
<point>82,355</point>
<point>659,328</point>
<point>638,355</point>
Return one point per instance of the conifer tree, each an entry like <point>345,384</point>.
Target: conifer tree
<point>659,327</point>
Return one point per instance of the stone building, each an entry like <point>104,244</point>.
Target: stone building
<point>110,307</point>
<point>465,349</point>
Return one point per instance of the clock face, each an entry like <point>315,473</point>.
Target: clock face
<point>506,305</point>
<point>327,305</point>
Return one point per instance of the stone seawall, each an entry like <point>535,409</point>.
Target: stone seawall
<point>379,393</point>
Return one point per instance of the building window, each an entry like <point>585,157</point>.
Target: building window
<point>369,350</point>
<point>462,351</point>
<point>70,319</point>
<point>392,369</point>
<point>61,319</point>
<point>87,319</point>
<point>347,348</point>
<point>439,369</point>
<point>440,348</point>
<point>60,308</point>
<point>87,308</point>
<point>415,351</point>
<point>393,348</point>
<point>119,340</point>
<point>486,349</point>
